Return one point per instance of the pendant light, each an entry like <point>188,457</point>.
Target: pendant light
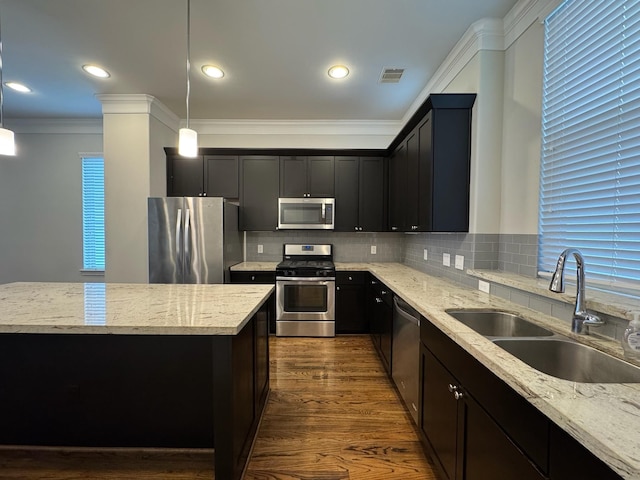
<point>187,138</point>
<point>7,142</point>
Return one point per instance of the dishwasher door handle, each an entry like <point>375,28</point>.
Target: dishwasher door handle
<point>411,316</point>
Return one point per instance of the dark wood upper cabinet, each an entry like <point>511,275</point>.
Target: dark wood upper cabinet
<point>430,169</point>
<point>398,189</point>
<point>221,176</point>
<point>303,176</point>
<point>184,176</point>
<point>202,176</point>
<point>259,192</point>
<point>360,192</point>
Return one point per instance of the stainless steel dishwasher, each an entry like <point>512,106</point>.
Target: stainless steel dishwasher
<point>406,353</point>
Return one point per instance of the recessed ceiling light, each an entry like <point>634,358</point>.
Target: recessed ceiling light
<point>96,71</point>
<point>338,71</point>
<point>212,71</point>
<point>18,87</point>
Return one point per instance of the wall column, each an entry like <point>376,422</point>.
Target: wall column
<point>135,130</point>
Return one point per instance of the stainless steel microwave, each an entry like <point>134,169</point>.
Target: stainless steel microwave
<point>306,213</point>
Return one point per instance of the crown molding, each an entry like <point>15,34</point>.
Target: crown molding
<point>138,104</point>
<point>485,34</point>
<point>524,14</point>
<point>296,127</point>
<point>82,126</point>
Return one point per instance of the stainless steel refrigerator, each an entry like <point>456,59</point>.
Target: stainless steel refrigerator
<point>193,239</point>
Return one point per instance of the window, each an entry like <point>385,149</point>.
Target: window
<point>93,214</point>
<point>590,174</point>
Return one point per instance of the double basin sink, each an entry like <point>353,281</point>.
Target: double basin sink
<point>546,351</point>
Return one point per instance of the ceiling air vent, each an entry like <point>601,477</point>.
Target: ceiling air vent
<point>391,75</point>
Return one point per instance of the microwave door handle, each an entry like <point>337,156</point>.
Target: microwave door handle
<point>323,211</point>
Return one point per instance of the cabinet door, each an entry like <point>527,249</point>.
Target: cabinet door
<point>372,196</point>
<point>347,193</point>
<point>261,367</point>
<point>350,317</point>
<point>221,176</point>
<point>571,460</point>
<point>184,176</point>
<point>440,411</point>
<point>398,189</point>
<point>425,175</point>
<point>321,176</point>
<point>451,163</point>
<point>413,191</point>
<point>293,177</point>
<point>386,333</point>
<point>488,451</point>
<point>259,193</point>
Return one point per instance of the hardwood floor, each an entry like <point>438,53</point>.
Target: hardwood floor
<point>332,415</point>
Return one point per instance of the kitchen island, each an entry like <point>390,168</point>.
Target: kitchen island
<point>135,365</point>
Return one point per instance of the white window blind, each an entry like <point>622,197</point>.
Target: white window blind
<point>590,175</point>
<point>93,213</point>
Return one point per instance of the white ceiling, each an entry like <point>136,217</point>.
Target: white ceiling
<point>275,54</point>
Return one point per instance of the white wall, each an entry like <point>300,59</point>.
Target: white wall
<point>521,133</point>
<point>41,206</point>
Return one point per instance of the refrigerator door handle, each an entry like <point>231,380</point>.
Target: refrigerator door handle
<point>178,230</point>
<point>179,241</point>
<point>187,231</point>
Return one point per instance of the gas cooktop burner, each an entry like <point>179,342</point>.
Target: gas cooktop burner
<point>307,261</point>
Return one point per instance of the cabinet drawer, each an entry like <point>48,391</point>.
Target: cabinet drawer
<point>350,278</point>
<point>253,277</point>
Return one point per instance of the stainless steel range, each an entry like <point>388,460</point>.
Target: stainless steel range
<point>305,291</point>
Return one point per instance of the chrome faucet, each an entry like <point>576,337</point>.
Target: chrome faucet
<point>582,319</point>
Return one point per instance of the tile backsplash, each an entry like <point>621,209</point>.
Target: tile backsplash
<point>347,246</point>
<point>479,251</point>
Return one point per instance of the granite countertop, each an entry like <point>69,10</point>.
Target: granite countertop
<point>254,266</point>
<point>605,418</point>
<point>138,309</point>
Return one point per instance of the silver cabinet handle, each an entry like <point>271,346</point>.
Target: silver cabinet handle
<point>458,395</point>
<point>452,388</point>
<point>378,300</point>
<point>394,228</point>
<point>350,278</point>
<point>383,292</point>
<point>253,277</point>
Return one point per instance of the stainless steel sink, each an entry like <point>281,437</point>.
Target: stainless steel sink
<point>496,323</point>
<point>570,360</point>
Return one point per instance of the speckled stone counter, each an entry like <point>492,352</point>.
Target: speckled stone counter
<point>135,365</point>
<point>255,267</point>
<point>605,418</point>
<point>128,308</point>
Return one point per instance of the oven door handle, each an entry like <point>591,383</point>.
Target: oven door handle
<point>306,279</point>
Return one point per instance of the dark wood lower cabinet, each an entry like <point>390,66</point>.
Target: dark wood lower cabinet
<point>380,312</point>
<point>477,427</point>
<point>261,277</point>
<point>350,303</point>
<point>466,442</point>
<point>570,460</point>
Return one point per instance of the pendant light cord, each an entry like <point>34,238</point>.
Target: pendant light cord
<point>188,56</point>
